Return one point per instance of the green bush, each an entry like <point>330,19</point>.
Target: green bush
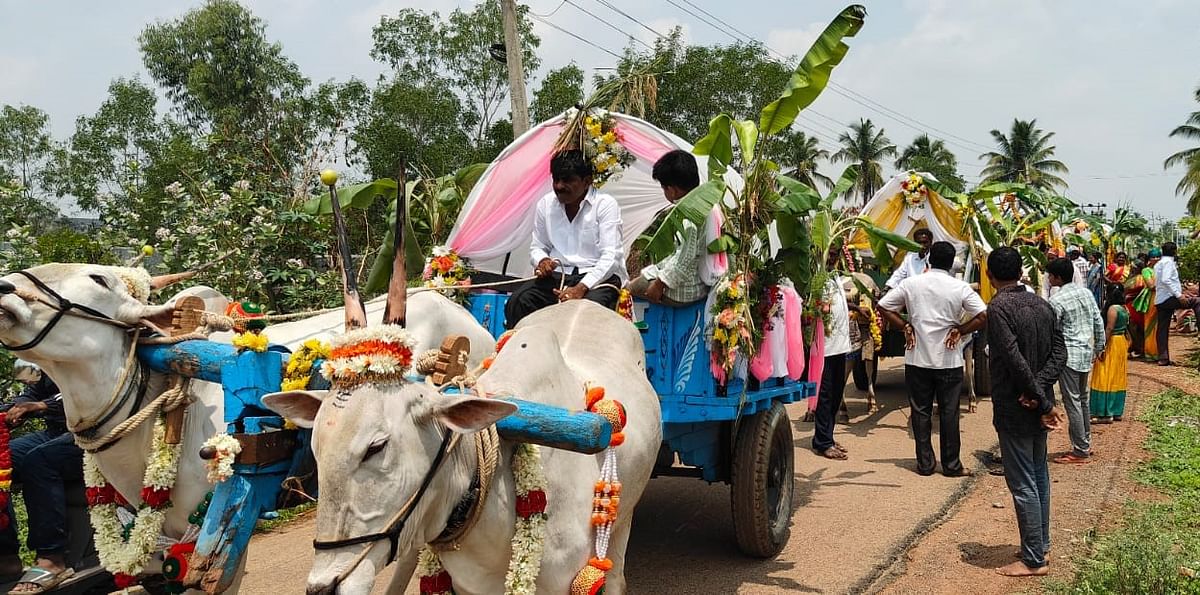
<point>1189,262</point>
<point>68,245</point>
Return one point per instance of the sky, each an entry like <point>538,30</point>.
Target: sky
<point>1110,79</point>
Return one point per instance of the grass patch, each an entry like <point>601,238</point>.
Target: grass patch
<point>1158,544</point>
<point>286,517</point>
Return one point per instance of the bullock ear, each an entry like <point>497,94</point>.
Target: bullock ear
<point>300,406</point>
<point>466,414</point>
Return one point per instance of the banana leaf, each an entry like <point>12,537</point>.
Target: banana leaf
<point>747,133</point>
<point>414,257</point>
<point>891,239</point>
<point>718,145</point>
<point>467,176</point>
<point>694,207</point>
<point>799,199</point>
<point>844,184</point>
<point>353,196</point>
<point>883,255</point>
<point>812,74</point>
<point>822,226</point>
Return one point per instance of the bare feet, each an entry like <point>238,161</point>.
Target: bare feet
<point>1020,569</point>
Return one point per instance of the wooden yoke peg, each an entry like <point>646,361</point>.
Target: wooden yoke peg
<point>174,418</point>
<point>452,359</point>
<point>189,316</point>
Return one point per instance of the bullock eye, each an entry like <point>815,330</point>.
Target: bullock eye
<point>374,449</point>
<point>101,281</point>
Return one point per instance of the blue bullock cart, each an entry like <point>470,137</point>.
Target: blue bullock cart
<point>737,434</point>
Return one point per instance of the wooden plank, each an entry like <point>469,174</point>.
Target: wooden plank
<point>555,427</point>
<point>266,447</point>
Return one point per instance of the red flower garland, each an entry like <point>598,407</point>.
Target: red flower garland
<point>5,472</point>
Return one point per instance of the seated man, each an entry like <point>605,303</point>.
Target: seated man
<point>577,231</point>
<point>41,461</point>
<point>676,280</point>
<point>914,263</point>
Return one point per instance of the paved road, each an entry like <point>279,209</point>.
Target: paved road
<point>850,517</point>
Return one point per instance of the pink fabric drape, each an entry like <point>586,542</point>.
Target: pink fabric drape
<point>509,194</point>
<point>816,360</point>
<point>763,364</point>
<point>643,146</point>
<point>792,307</point>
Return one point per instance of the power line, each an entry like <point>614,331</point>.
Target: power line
<point>610,25</point>
<point>610,6</point>
<point>603,49</point>
<point>549,14</point>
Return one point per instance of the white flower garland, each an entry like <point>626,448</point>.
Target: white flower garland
<point>129,555</point>
<point>372,354</point>
<point>529,536</point>
<point>220,467</point>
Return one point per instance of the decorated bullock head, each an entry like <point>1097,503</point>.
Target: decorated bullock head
<point>73,312</point>
<point>385,455</point>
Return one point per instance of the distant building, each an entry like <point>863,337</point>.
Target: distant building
<point>83,224</point>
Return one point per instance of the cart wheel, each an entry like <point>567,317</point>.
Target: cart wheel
<point>764,474</point>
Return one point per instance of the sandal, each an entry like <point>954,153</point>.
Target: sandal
<point>41,578</point>
<point>833,453</point>
<point>1073,459</point>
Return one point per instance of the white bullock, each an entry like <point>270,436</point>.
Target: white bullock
<point>86,358</point>
<point>374,446</point>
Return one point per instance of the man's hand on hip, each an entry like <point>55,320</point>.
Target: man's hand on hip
<point>544,267</point>
<point>18,412</point>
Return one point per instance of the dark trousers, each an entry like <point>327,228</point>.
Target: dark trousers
<point>42,461</point>
<point>1163,333</point>
<point>925,385</point>
<point>829,400</point>
<point>1028,477</point>
<point>539,293</point>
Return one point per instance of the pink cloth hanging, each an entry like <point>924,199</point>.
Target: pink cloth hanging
<point>816,360</point>
<point>763,364</point>
<point>642,145</point>
<point>792,308</point>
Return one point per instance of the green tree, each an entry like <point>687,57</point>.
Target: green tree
<point>418,123</point>
<point>1024,155</point>
<point>695,82</point>
<point>866,147</point>
<point>425,51</point>
<point>801,152</point>
<point>931,156</point>
<point>1189,184</point>
<point>561,90</point>
<point>25,154</point>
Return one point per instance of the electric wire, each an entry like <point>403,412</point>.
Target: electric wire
<point>610,25</point>
<point>588,42</point>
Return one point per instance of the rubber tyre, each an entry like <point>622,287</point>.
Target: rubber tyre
<point>764,476</point>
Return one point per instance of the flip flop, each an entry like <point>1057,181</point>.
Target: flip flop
<point>41,578</point>
<point>1072,458</point>
<point>833,453</point>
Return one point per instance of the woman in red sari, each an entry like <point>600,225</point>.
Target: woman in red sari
<point>1118,270</point>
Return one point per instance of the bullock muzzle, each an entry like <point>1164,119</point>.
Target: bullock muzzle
<point>6,287</point>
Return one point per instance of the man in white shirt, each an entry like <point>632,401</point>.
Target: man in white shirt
<point>1081,264</point>
<point>1168,297</point>
<point>675,280</point>
<point>936,303</point>
<point>914,263</point>
<point>833,377</point>
<point>576,243</point>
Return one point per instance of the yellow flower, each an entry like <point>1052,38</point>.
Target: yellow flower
<point>609,138</point>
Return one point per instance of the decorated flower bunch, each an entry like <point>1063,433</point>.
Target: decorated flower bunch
<point>914,190</point>
<point>300,364</point>
<point>602,146</point>
<point>732,329</point>
<point>369,355</point>
<point>445,268</point>
<point>5,472</point>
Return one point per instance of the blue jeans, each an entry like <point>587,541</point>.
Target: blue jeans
<point>42,462</point>
<point>1028,477</point>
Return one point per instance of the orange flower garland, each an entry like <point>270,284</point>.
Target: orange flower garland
<point>606,495</point>
<point>377,354</point>
<point>5,472</point>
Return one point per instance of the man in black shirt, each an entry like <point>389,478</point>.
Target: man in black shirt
<point>42,461</point>
<point>1025,342</point>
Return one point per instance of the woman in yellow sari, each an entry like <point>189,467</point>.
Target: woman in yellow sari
<point>1109,381</point>
<point>1151,312</point>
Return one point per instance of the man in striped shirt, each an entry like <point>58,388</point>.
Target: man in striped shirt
<point>676,279</point>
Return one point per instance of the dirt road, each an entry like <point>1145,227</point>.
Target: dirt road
<point>851,518</point>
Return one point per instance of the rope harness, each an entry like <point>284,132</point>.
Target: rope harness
<point>61,307</point>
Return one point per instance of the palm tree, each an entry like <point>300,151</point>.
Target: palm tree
<point>802,152</point>
<point>1189,184</point>
<point>1026,156</point>
<point>865,147</point>
<point>931,155</point>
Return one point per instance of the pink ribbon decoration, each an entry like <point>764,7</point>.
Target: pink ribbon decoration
<point>792,307</point>
<point>816,360</point>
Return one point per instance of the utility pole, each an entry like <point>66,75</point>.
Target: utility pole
<point>516,69</point>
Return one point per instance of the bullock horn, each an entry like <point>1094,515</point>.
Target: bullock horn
<point>356,311</point>
<point>394,312</point>
<point>160,281</point>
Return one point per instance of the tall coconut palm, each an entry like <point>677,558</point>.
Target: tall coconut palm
<point>1025,155</point>
<point>1189,184</point>
<point>801,153</point>
<point>865,147</point>
<point>931,155</point>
